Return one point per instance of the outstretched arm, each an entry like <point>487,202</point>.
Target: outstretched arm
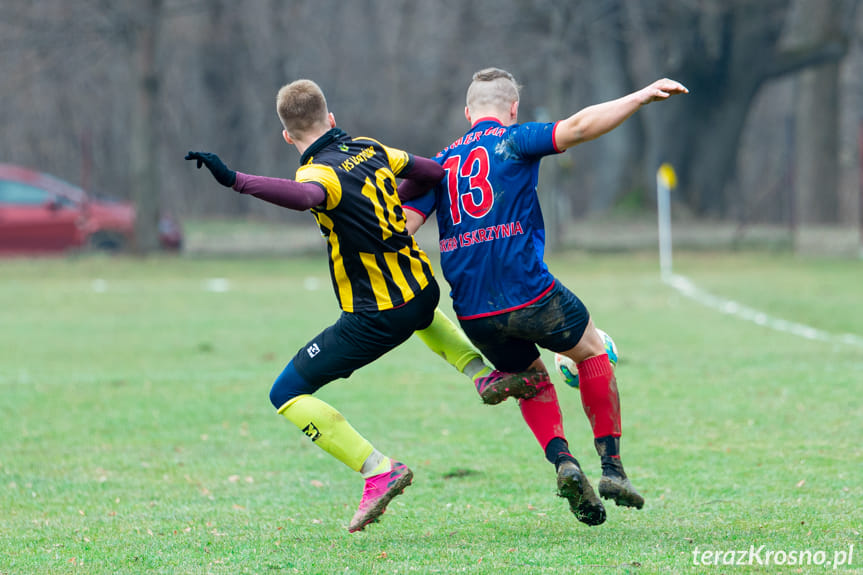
<point>279,191</point>
<point>594,121</point>
<point>285,193</point>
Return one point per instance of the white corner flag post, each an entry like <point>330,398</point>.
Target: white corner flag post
<point>666,180</point>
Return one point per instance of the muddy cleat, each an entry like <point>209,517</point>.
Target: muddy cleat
<point>572,484</point>
<point>378,492</point>
<point>498,385</point>
<point>615,485</point>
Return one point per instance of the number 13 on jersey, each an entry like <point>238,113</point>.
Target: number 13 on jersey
<point>474,173</point>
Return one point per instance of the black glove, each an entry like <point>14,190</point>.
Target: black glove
<point>220,171</point>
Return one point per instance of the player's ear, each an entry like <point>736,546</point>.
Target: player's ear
<point>332,120</point>
<point>287,137</point>
<point>513,111</point>
<point>467,115</point>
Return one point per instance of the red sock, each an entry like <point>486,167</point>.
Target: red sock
<point>599,395</point>
<point>542,414</point>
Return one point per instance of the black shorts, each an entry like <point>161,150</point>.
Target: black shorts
<point>359,338</point>
<point>509,340</point>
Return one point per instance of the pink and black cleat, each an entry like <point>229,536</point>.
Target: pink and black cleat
<point>378,492</point>
<point>498,385</point>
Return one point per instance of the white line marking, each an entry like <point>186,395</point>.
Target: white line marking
<point>217,285</point>
<point>726,306</point>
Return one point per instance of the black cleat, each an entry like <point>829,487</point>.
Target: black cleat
<point>616,486</point>
<point>498,385</point>
<point>573,485</point>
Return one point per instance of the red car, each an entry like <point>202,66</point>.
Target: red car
<point>41,214</point>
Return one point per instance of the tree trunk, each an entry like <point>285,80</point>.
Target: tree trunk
<point>617,154</point>
<point>145,180</point>
<point>817,146</point>
<point>700,137</point>
<point>816,162</point>
<point>549,172</point>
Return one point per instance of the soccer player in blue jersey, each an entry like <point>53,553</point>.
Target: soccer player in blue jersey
<point>492,241</point>
<point>383,281</point>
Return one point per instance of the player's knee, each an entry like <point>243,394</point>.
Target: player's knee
<point>591,343</point>
<point>289,385</point>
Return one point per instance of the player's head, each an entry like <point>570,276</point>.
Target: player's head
<point>303,111</point>
<point>493,92</point>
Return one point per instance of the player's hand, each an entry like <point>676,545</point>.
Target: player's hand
<point>220,171</point>
<point>661,90</point>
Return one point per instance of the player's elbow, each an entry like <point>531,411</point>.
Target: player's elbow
<point>426,172</point>
<point>437,172</point>
<point>568,136</point>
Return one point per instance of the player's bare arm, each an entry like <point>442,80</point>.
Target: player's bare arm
<point>414,220</point>
<point>591,122</point>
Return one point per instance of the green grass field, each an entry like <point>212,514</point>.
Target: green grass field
<point>136,435</point>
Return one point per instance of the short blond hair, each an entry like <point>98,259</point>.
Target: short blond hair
<point>492,88</point>
<point>301,106</point>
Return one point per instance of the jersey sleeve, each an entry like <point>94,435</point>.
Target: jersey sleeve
<point>399,159</point>
<point>325,177</point>
<point>534,139</point>
<point>423,205</point>
<point>285,193</point>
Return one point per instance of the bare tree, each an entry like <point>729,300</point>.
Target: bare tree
<point>148,81</point>
<point>724,52</point>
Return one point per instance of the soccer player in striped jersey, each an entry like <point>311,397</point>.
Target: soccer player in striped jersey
<point>492,240</point>
<point>383,281</point>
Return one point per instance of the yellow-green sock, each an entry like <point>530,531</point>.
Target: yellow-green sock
<point>445,339</point>
<point>328,429</point>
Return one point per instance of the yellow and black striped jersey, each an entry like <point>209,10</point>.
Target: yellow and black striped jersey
<point>374,263</point>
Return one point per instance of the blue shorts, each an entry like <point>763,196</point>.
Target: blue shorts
<point>357,339</point>
<point>509,340</point>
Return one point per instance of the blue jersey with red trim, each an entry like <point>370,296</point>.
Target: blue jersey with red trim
<point>492,235</point>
